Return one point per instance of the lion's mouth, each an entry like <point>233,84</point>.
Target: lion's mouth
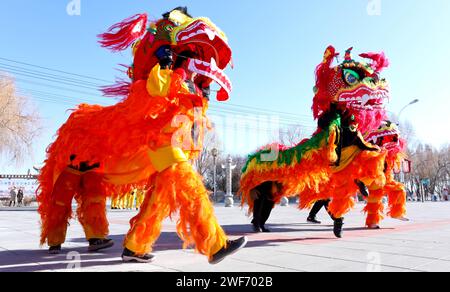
<point>391,145</point>
<point>212,43</point>
<point>391,140</point>
<point>212,71</point>
<point>214,54</point>
<point>365,98</point>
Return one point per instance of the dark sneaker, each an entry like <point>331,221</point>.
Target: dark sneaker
<point>97,244</point>
<point>265,230</point>
<point>362,188</point>
<point>231,248</point>
<point>256,228</point>
<point>338,223</point>
<point>313,220</point>
<point>129,256</point>
<point>54,249</point>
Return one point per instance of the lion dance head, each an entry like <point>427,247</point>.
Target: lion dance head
<point>388,137</point>
<point>355,86</point>
<point>196,40</point>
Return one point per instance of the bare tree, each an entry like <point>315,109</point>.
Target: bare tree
<point>292,135</point>
<point>205,160</point>
<point>406,128</point>
<point>431,170</point>
<point>205,164</point>
<point>408,133</point>
<point>18,121</point>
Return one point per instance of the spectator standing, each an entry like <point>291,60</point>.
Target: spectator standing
<point>20,197</point>
<point>13,196</point>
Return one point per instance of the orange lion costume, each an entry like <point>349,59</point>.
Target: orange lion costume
<point>145,141</point>
<point>387,137</point>
<point>336,162</point>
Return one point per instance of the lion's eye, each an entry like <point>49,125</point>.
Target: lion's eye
<point>351,77</point>
<point>168,28</point>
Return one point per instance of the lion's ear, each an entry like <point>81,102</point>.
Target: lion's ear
<point>329,55</point>
<point>179,17</point>
<point>122,35</point>
<point>179,10</point>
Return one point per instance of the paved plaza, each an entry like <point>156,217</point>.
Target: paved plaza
<point>423,244</point>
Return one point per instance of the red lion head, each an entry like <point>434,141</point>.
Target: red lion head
<point>355,86</point>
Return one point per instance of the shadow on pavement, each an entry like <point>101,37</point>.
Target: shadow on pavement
<point>247,229</point>
<point>40,260</point>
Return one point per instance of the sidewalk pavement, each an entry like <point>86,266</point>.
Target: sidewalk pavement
<point>423,244</point>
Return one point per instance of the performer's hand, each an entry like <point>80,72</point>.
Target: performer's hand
<point>165,57</point>
<point>206,92</point>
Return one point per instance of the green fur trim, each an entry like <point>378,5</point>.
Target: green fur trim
<point>288,156</point>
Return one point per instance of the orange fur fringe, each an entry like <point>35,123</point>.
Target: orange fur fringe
<point>177,189</point>
<point>105,135</point>
<point>374,208</point>
<point>312,171</point>
<point>367,166</point>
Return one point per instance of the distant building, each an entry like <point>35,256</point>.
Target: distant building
<point>28,183</point>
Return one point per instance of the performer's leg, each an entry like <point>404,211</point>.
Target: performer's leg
<point>397,201</point>
<point>179,187</point>
<point>92,211</point>
<point>166,198</point>
<point>146,226</point>
<point>54,227</point>
<point>257,213</point>
<point>198,224</point>
<point>315,210</point>
<point>338,222</point>
<point>374,209</point>
<point>338,207</point>
<point>268,205</point>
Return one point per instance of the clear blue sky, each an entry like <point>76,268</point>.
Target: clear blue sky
<point>276,46</point>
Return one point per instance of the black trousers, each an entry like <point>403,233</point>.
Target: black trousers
<point>318,206</point>
<point>263,205</point>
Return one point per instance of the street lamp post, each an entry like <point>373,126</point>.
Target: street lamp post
<point>405,107</point>
<point>229,202</point>
<point>215,153</point>
<point>402,173</point>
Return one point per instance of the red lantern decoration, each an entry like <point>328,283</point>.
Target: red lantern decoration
<point>406,166</point>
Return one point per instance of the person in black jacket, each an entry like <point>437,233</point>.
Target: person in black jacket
<point>19,197</point>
